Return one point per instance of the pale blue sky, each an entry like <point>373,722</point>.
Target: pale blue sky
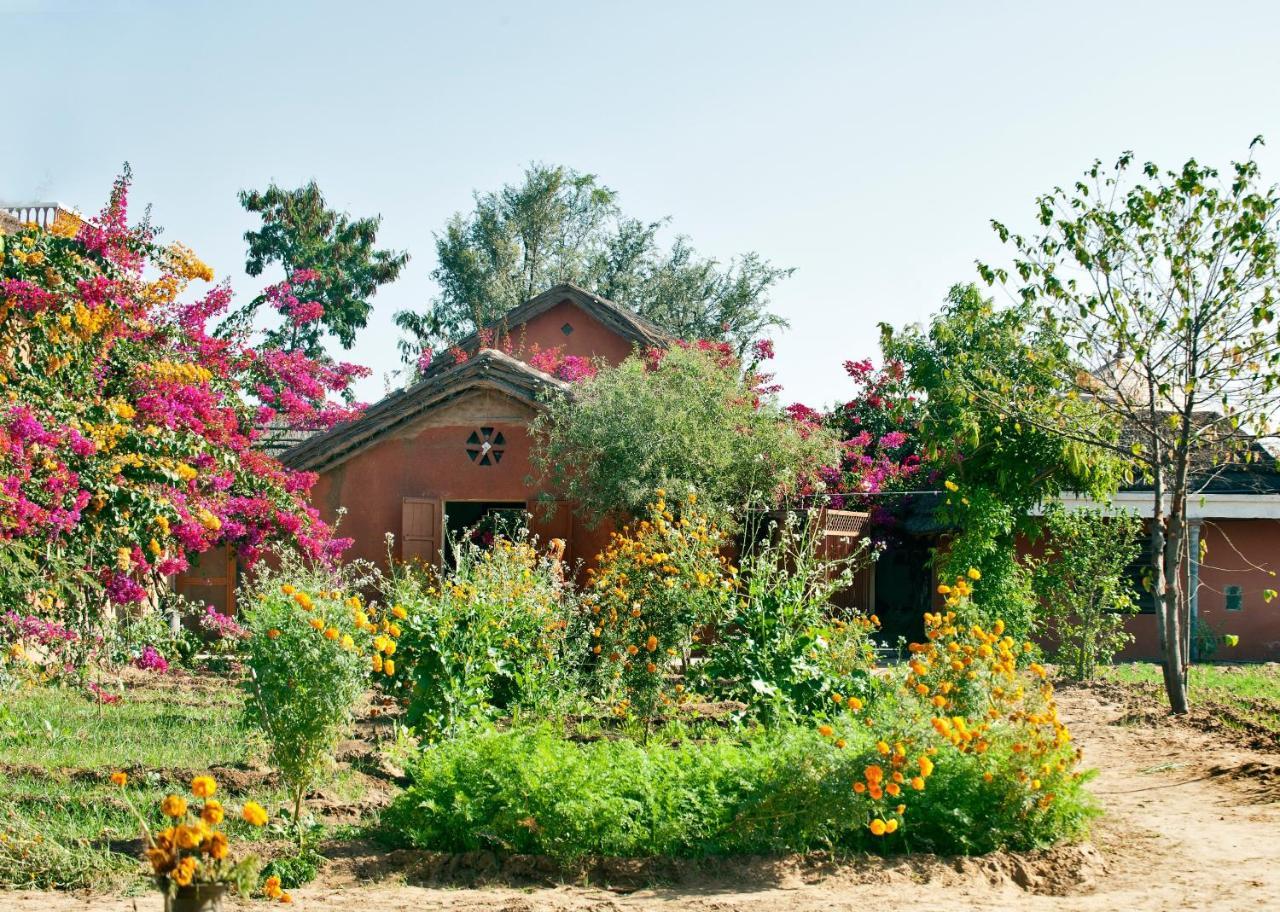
<point>866,144</point>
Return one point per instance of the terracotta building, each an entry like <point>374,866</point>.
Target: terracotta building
<point>437,457</point>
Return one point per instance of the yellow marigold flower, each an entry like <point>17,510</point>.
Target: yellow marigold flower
<point>951,486</point>
<point>917,783</point>
<point>287,589</point>
<point>204,786</point>
<point>882,748</point>
<point>878,827</point>
<point>120,779</point>
<point>212,812</point>
<point>377,661</point>
<point>891,825</point>
<point>304,600</point>
<point>316,623</point>
<point>174,806</point>
<point>389,666</point>
<point>347,642</point>
<point>187,837</point>
<point>398,611</point>
<point>254,813</point>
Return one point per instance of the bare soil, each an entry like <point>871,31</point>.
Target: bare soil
<point>1192,822</point>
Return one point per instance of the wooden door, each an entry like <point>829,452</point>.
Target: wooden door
<point>420,523</point>
<point>211,580</point>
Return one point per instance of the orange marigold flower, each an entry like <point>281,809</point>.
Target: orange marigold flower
<point>185,872</point>
<point>174,806</point>
<point>652,643</point>
<point>891,825</point>
<point>271,887</point>
<point>217,846</point>
<point>120,779</point>
<point>878,827</point>
<point>825,730</point>
<point>204,786</point>
<point>212,812</point>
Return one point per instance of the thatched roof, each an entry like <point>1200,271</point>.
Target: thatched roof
<point>487,369</point>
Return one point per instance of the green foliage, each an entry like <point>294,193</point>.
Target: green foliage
<point>784,649</point>
<point>300,232</point>
<point>492,637</point>
<point>1162,287</point>
<point>686,423</point>
<point>989,541</point>
<point>1083,585</point>
<point>660,581</point>
<point>309,663</point>
<point>754,791</point>
<point>561,225</point>
<point>295,870</point>
<point>971,364</point>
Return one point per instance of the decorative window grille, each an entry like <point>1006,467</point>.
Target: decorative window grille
<point>486,446</point>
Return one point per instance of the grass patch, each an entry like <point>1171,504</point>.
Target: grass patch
<point>64,825</point>
<point>1242,696</point>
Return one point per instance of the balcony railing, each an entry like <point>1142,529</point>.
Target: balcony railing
<point>42,214</point>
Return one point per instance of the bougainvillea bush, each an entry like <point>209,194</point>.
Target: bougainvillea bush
<point>128,429</point>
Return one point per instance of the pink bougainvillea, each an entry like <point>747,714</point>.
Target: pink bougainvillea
<point>128,427</point>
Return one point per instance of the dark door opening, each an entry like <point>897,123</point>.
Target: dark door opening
<point>481,521</point>
<point>904,591</point>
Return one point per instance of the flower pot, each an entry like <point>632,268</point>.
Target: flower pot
<point>196,898</point>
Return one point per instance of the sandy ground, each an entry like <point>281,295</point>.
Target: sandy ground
<point>1192,822</point>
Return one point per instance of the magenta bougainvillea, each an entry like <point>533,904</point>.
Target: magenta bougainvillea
<point>879,440</point>
<point>128,429</point>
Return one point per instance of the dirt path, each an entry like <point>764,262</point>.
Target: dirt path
<point>1192,823</point>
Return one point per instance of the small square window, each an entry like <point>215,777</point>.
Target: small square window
<point>567,329</point>
<point>1235,598</point>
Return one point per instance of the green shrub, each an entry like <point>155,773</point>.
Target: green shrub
<point>310,654</point>
<point>490,638</point>
<point>1084,587</point>
<point>783,648</point>
<point>682,420</point>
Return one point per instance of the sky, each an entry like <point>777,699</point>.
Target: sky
<point>868,145</point>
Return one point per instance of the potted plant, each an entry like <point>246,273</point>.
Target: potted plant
<point>191,858</point>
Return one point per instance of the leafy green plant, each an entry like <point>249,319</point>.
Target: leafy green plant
<point>1083,585</point>
<point>295,870</point>
<point>312,650</point>
<point>490,637</point>
<point>784,648</point>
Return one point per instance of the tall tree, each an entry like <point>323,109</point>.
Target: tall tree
<point>1163,286</point>
<point>994,468</point>
<point>328,258</point>
<point>561,225</point>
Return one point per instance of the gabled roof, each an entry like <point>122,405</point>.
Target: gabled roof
<point>622,320</point>
<point>487,369</point>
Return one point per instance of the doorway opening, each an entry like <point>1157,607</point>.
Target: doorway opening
<point>481,521</point>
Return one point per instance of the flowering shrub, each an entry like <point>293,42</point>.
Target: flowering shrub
<point>191,851</point>
<point>312,651</point>
<point>34,649</point>
<point>965,709</point>
<point>127,430</point>
<point>151,660</point>
<point>658,583</point>
<point>490,637</point>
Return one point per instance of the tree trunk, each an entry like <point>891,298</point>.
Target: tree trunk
<point>1165,547</point>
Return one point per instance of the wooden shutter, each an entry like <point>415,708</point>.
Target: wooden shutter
<point>420,530</point>
<point>211,580</point>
